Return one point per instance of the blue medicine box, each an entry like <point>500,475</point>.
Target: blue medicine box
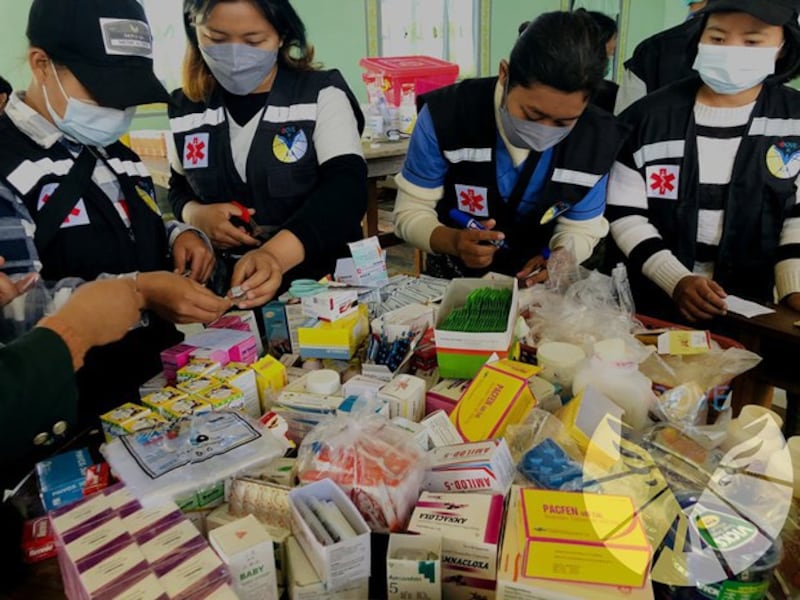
<point>62,478</point>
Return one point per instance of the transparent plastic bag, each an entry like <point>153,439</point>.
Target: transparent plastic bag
<point>714,368</point>
<point>376,463</point>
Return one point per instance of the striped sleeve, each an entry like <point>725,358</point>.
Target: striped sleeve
<point>787,269</point>
<point>633,232</point>
<point>16,235</point>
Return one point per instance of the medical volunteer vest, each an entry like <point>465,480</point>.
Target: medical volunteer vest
<point>93,239</point>
<point>282,165</point>
<point>464,119</point>
<point>760,197</point>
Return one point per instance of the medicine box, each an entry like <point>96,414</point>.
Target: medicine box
<point>270,379</point>
<point>405,395</point>
<point>197,367</point>
<point>682,342</point>
<point>228,397</point>
<point>461,354</point>
<point>414,567</point>
<point>245,321</point>
<point>330,306</point>
<point>513,584</point>
<point>175,358</point>
<point>469,526</point>
<point>235,346</point>
<point>62,478</point>
<point>303,582</point>
<point>361,386</point>
<point>582,537</point>
<point>170,542</point>
<point>445,395</point>
<point>471,467</point>
<point>197,386</point>
<point>441,431</point>
<point>340,563</point>
<point>246,549</point>
<point>588,413</point>
<point>157,400</point>
<point>191,577</point>
<point>242,377</point>
<point>113,422</point>
<point>186,407</point>
<point>38,542</point>
<point>337,340</point>
<point>499,396</point>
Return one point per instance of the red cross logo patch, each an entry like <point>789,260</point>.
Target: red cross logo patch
<point>662,181</point>
<point>473,200</point>
<point>75,218</point>
<point>195,151</point>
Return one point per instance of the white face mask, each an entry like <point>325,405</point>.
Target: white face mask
<point>89,124</point>
<point>732,69</point>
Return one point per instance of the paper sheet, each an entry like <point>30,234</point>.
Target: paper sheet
<point>746,308</point>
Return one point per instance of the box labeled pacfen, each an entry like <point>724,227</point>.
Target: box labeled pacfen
<point>335,340</point>
<point>469,525</point>
<point>499,396</point>
<point>580,537</point>
<point>405,395</point>
<point>330,306</point>
<point>473,467</point>
<point>414,567</point>
<point>304,583</point>
<point>247,550</point>
<point>340,563</point>
<point>462,354</point>
<point>512,584</point>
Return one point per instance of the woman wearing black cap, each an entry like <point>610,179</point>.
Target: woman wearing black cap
<point>257,124</point>
<point>76,203</point>
<point>704,199</point>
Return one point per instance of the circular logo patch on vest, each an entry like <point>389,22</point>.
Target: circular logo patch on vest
<point>783,160</point>
<point>290,144</point>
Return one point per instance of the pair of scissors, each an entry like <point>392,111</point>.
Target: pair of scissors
<point>303,288</point>
<point>260,232</point>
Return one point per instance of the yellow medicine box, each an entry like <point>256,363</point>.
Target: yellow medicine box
<point>270,379</point>
<point>499,396</point>
<point>584,538</point>
<point>128,418</point>
<point>185,407</point>
<point>157,400</point>
<point>224,396</point>
<point>338,339</point>
<point>197,367</point>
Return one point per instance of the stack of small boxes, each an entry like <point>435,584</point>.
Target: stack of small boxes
<point>108,546</point>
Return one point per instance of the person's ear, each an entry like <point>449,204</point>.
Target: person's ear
<point>39,63</point>
<point>503,72</point>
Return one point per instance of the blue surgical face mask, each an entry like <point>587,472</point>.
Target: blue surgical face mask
<point>239,68</point>
<point>530,134</point>
<point>733,69</point>
<point>89,124</point>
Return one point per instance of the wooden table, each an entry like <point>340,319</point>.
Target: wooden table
<point>777,340</point>
<point>383,160</point>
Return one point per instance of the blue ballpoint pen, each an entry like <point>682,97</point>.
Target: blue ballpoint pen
<point>462,219</point>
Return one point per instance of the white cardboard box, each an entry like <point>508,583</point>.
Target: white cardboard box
<point>405,395</point>
<point>472,467</point>
<point>247,550</point>
<point>304,583</point>
<point>414,567</point>
<point>340,563</point>
<point>469,525</point>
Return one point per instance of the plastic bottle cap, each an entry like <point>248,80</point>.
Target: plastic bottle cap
<point>324,381</point>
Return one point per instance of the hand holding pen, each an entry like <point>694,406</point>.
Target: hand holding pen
<point>477,243</point>
<point>535,270</point>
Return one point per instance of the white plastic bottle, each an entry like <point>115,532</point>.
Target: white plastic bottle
<point>612,372</point>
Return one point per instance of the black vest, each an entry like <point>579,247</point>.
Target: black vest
<point>663,58</point>
<point>464,119</point>
<point>761,194</point>
<point>105,244</point>
<point>282,166</point>
<point>112,374</point>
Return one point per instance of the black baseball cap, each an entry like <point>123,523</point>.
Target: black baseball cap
<point>772,12</point>
<point>107,44</point>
